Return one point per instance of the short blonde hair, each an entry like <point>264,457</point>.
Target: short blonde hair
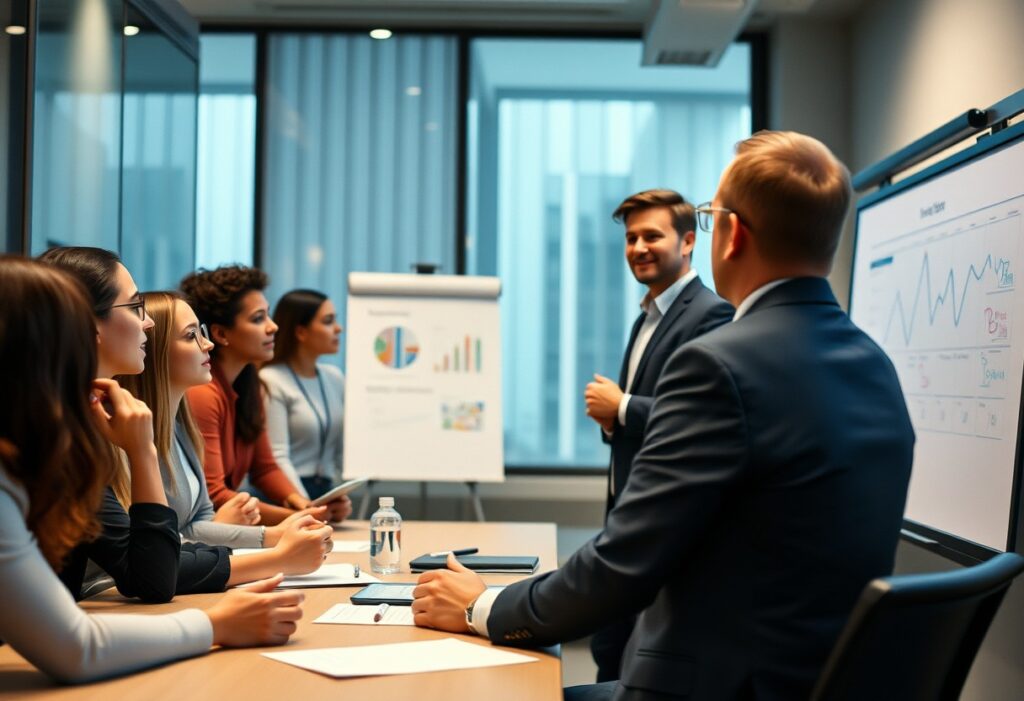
<point>792,192</point>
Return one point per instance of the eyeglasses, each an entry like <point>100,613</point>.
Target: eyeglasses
<point>706,216</point>
<point>204,332</point>
<point>139,306</point>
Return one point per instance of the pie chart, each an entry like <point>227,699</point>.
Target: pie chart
<point>396,347</point>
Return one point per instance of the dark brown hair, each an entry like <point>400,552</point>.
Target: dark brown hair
<point>792,193</point>
<point>296,308</point>
<point>683,216</point>
<point>216,297</point>
<point>95,269</point>
<point>49,441</point>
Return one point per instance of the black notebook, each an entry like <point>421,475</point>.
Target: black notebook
<point>507,564</point>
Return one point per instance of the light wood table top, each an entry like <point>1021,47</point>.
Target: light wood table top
<point>245,675</point>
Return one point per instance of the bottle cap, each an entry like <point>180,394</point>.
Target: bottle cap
<point>387,501</point>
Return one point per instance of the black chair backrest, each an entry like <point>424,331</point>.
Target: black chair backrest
<point>914,637</point>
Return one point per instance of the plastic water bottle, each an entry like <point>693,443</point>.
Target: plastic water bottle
<point>386,538</point>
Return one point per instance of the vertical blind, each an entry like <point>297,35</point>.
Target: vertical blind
<point>360,158</point>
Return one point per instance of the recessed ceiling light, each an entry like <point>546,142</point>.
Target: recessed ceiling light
<point>130,30</point>
<point>14,29</point>
<point>380,33</point>
<point>413,90</point>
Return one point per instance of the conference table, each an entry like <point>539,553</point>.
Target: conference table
<point>244,674</point>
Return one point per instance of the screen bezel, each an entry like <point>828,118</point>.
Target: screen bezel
<point>947,544</point>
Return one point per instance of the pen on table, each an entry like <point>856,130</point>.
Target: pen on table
<point>456,553</point>
<point>379,615</point>
<point>355,571</point>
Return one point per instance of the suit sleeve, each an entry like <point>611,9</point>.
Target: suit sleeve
<point>694,453</point>
<point>139,549</point>
<point>208,412</point>
<point>203,568</point>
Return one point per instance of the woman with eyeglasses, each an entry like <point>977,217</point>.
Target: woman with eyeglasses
<point>57,425</point>
<point>304,397</point>
<point>139,545</point>
<point>229,410</point>
<point>179,358</point>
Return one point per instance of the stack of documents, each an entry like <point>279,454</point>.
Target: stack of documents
<point>398,658</point>
<point>332,575</point>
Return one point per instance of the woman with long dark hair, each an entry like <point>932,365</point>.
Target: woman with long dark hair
<point>229,411</point>
<point>304,397</point>
<point>57,423</point>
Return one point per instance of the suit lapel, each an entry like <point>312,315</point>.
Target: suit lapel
<point>673,313</point>
<point>624,371</point>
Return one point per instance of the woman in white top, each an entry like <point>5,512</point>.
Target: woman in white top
<point>179,358</point>
<point>304,397</point>
<point>55,462</point>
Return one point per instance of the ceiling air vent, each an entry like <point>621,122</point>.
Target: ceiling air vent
<point>693,32</point>
<point>682,58</point>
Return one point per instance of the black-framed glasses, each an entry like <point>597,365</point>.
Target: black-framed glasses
<point>706,216</point>
<point>203,332</point>
<point>139,307</point>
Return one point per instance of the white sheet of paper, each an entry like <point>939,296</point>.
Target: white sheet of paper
<point>363,615</point>
<point>398,658</point>
<point>340,546</point>
<point>330,575</point>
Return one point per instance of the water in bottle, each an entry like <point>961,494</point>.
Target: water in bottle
<point>386,538</point>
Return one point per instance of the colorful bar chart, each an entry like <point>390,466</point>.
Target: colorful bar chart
<point>466,356</point>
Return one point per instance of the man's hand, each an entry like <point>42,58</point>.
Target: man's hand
<point>603,397</point>
<point>441,597</point>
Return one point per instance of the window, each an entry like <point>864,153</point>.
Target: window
<point>226,167</point>
<point>559,132</point>
<point>359,170</point>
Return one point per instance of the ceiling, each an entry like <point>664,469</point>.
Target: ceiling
<point>535,15</point>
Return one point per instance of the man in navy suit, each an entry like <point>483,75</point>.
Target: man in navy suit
<point>660,234</point>
<point>771,482</point>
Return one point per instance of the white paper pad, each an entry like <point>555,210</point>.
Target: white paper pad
<point>333,575</point>
<point>398,658</point>
<point>363,615</point>
<point>340,546</point>
<point>351,546</point>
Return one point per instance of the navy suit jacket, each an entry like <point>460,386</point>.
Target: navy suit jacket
<point>769,490</point>
<point>694,312</point>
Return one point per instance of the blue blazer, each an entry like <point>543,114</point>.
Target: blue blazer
<point>769,490</point>
<point>694,312</point>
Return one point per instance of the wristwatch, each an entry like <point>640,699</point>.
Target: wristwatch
<point>469,614</point>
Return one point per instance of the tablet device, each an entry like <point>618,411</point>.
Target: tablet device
<point>341,490</point>
<point>375,594</point>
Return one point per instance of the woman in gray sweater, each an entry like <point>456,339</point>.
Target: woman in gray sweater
<point>303,396</point>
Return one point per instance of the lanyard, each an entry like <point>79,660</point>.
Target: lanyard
<point>323,423</point>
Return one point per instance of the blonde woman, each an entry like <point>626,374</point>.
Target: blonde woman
<point>179,358</point>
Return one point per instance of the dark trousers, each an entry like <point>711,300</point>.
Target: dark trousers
<point>589,692</point>
<point>607,647</point>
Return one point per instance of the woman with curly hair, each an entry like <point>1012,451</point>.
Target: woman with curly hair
<point>229,410</point>
<point>55,463</point>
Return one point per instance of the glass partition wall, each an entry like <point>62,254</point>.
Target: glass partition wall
<point>114,133</point>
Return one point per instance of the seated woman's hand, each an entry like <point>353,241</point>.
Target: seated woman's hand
<point>339,509</point>
<point>241,509</point>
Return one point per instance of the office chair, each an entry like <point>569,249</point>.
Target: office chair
<point>914,637</point>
